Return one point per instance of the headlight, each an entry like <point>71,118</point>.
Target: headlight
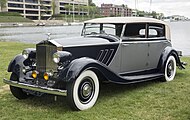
<point>25,53</point>
<point>29,52</point>
<point>56,58</point>
<point>61,56</point>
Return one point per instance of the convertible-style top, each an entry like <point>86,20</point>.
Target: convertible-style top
<point>125,20</point>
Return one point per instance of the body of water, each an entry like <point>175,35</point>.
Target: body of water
<point>180,32</point>
<point>38,33</point>
<point>180,36</point>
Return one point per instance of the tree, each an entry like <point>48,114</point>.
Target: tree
<point>3,4</point>
<point>90,3</point>
<point>68,8</point>
<point>93,10</point>
<point>53,5</point>
<point>154,14</point>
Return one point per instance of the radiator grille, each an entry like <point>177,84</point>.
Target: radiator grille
<point>44,58</point>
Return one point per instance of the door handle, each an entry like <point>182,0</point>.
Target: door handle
<point>125,45</point>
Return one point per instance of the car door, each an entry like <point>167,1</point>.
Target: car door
<point>157,43</point>
<point>134,45</point>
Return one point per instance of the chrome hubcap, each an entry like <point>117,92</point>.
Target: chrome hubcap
<point>170,69</point>
<point>86,90</point>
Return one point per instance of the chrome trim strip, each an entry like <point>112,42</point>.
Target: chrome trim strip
<point>117,50</point>
<point>145,42</point>
<point>111,53</point>
<point>98,44</point>
<point>36,88</point>
<point>100,55</point>
<point>105,55</point>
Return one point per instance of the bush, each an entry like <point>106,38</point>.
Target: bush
<point>9,14</point>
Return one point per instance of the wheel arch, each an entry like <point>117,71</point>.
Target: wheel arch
<point>15,64</point>
<point>77,66</point>
<point>164,56</point>
<point>99,74</point>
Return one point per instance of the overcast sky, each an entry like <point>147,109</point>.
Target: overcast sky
<point>168,7</point>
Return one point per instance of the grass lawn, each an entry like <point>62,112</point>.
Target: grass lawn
<point>12,17</point>
<point>5,19</point>
<point>153,100</point>
<point>8,50</point>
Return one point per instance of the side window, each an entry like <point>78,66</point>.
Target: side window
<point>135,30</point>
<point>156,31</point>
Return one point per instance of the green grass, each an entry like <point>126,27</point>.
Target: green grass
<point>69,18</point>
<point>9,14</point>
<point>153,100</point>
<point>8,50</point>
<point>6,17</point>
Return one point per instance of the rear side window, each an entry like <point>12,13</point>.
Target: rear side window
<point>135,30</point>
<point>156,30</point>
<point>138,31</point>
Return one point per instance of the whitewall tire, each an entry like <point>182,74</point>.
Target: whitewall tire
<point>83,93</point>
<point>170,68</point>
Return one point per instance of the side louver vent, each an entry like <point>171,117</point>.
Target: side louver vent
<point>105,56</point>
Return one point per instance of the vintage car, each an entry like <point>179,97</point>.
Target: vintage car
<point>120,50</point>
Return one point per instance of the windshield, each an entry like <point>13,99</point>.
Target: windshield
<point>99,29</point>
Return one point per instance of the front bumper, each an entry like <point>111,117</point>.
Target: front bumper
<point>36,88</point>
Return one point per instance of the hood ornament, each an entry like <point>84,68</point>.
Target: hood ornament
<point>48,34</point>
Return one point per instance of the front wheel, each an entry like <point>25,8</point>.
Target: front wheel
<point>170,68</point>
<point>17,92</point>
<point>83,93</point>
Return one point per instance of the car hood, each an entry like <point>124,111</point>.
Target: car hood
<point>79,41</point>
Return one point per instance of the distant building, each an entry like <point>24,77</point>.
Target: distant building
<point>115,10</point>
<point>176,18</point>
<point>42,9</point>
<point>134,12</point>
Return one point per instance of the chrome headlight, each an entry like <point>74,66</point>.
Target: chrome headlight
<point>29,52</point>
<point>56,57</point>
<point>61,56</point>
<point>25,54</point>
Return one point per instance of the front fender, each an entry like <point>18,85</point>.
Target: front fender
<point>77,66</point>
<point>164,56</point>
<point>15,64</point>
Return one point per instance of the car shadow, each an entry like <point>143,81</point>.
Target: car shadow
<point>107,91</point>
<point>111,89</point>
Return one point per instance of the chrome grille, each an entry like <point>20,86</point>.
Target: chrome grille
<point>44,53</point>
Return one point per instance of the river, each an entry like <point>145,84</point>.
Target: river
<point>180,32</point>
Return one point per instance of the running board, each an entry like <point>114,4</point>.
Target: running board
<point>143,77</point>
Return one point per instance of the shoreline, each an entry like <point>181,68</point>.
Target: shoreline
<point>40,23</point>
<point>48,23</point>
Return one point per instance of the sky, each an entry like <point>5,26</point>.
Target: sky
<point>168,7</point>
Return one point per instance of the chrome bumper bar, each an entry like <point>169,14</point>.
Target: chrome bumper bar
<point>36,88</point>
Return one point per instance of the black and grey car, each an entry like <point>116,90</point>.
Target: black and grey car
<point>120,50</point>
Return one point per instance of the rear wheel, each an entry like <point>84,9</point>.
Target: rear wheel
<point>83,93</point>
<point>17,92</point>
<point>170,68</point>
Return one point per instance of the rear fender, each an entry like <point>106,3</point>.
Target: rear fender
<point>164,56</point>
